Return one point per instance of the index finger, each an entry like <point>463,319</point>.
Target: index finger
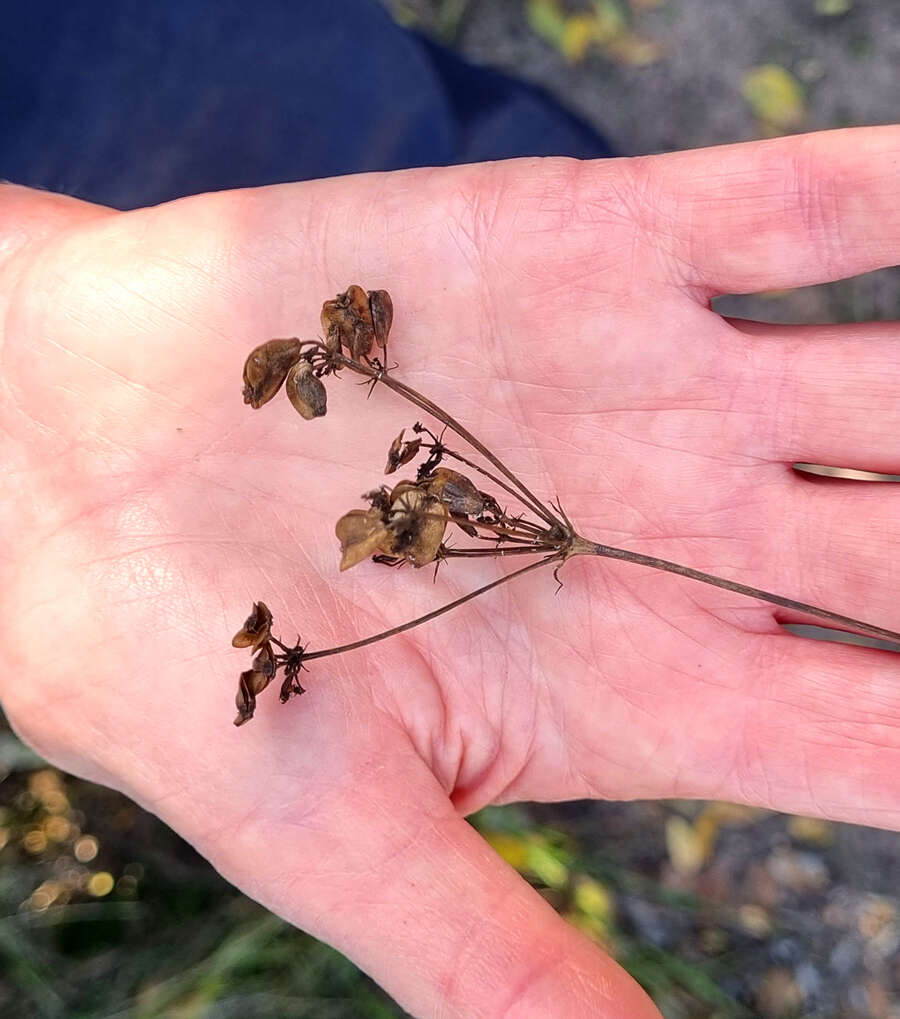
<point>782,213</point>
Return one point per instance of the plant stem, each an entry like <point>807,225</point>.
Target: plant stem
<point>493,553</point>
<point>556,557</point>
<point>624,555</point>
<point>509,532</point>
<point>423,403</point>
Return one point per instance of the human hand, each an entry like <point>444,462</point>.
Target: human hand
<point>561,312</point>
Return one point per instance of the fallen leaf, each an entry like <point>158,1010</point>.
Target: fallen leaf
<point>513,848</point>
<point>579,31</point>
<point>686,850</point>
<point>832,8</point>
<point>775,96</point>
<point>546,20</point>
<point>546,865</point>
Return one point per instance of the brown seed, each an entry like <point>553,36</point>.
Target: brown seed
<point>424,548</point>
<point>347,321</point>
<point>250,684</point>
<point>382,309</point>
<point>257,628</point>
<point>264,662</point>
<point>403,488</point>
<point>401,453</point>
<point>266,369</point>
<point>306,392</point>
<point>418,522</point>
<point>456,491</point>
<point>358,303</point>
<point>361,533</point>
<point>332,319</point>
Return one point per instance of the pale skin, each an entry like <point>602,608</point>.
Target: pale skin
<point>560,310</point>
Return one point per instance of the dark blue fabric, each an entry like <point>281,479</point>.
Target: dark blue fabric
<point>130,103</point>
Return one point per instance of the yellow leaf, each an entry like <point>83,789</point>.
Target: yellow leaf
<point>546,866</point>
<point>687,847</point>
<point>592,899</point>
<point>547,20</point>
<point>513,848</point>
<point>579,31</point>
<point>832,8</point>
<point>775,96</point>
<point>811,830</point>
<point>755,920</point>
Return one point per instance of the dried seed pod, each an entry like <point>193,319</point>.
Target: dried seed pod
<point>257,628</point>
<point>401,453</point>
<point>358,303</point>
<point>347,321</point>
<point>361,533</point>
<point>306,392</point>
<point>418,522</point>
<point>424,548</point>
<point>401,488</point>
<point>264,662</point>
<point>266,369</point>
<point>456,491</point>
<point>332,325</point>
<point>382,309</point>
<point>251,683</point>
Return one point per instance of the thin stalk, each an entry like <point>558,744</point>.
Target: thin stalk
<point>492,553</point>
<point>422,402</point>
<point>504,536</point>
<point>327,652</point>
<point>476,467</point>
<point>503,530</point>
<point>624,555</point>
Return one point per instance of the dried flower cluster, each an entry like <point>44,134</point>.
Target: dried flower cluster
<point>413,520</point>
<point>256,634</point>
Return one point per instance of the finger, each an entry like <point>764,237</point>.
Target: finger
<point>848,531</point>
<point>390,875</point>
<point>781,213</point>
<point>824,394</point>
<point>817,733</point>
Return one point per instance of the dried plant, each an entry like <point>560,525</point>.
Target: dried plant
<point>413,520</point>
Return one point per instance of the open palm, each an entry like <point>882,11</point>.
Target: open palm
<point>561,312</point>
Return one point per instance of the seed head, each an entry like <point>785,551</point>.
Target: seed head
<point>266,369</point>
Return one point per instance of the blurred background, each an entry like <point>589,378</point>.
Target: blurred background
<point>718,910</point>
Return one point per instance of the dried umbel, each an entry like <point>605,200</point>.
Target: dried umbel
<point>356,320</point>
<point>256,633</point>
<point>412,522</point>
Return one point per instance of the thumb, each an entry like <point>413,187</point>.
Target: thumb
<point>406,888</point>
